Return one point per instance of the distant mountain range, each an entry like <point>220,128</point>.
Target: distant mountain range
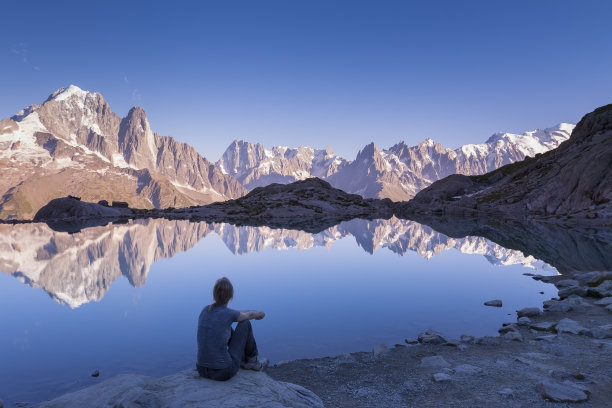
<point>74,144</point>
<point>79,268</point>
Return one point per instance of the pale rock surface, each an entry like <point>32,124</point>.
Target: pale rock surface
<point>562,392</point>
<point>569,326</point>
<point>187,389</point>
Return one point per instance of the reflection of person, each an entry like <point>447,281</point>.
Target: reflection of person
<point>221,350</point>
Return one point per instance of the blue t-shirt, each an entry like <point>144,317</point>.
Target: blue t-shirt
<point>214,331</point>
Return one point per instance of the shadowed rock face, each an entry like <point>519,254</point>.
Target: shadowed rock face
<point>74,144</point>
<point>574,180</point>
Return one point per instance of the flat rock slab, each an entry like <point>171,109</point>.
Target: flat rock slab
<point>605,301</point>
<point>188,389</point>
<point>494,303</point>
<point>529,312</point>
<point>441,377</point>
<point>543,326</point>
<point>562,392</point>
<point>569,326</point>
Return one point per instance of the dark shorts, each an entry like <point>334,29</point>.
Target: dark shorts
<point>218,374</point>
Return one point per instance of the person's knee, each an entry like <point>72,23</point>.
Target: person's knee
<point>243,325</point>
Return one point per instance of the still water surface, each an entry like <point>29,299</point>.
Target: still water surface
<point>125,298</point>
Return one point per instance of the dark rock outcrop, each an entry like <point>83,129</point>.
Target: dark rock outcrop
<point>574,180</point>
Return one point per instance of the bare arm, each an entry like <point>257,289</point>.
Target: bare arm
<point>251,314</point>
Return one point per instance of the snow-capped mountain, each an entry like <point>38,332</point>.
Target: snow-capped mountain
<point>255,166</point>
<point>80,268</point>
<point>74,144</point>
<point>398,172</point>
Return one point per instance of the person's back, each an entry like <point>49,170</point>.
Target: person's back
<point>221,350</point>
<point>214,332</point>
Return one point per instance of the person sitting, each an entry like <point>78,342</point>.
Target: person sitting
<point>221,350</point>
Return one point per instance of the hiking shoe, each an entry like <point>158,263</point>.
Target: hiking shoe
<point>255,364</point>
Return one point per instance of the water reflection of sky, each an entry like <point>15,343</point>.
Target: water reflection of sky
<point>321,301</point>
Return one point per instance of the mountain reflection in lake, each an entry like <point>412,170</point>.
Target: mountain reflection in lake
<point>348,298</point>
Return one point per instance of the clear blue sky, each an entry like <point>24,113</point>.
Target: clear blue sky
<point>338,73</point>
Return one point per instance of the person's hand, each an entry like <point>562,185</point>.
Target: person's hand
<point>260,315</point>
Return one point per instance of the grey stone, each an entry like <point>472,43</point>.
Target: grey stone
<point>529,312</point>
<point>603,290</point>
<point>466,338</point>
<point>513,335</point>
<point>609,308</point>
<point>569,326</point>
<point>543,326</point>
<point>572,290</point>
<point>434,362</point>
<point>494,303</point>
<point>508,328</point>
<point>601,332</point>
<point>188,389</point>
<point>441,377</point>
<point>523,321</point>
<point>604,302</point>
<point>562,392</point>
<point>506,392</point>
<point>411,341</point>
<point>548,338</point>
<point>431,337</point>
<point>468,369</point>
<point>567,282</point>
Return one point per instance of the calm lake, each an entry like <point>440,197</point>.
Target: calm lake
<point>126,297</point>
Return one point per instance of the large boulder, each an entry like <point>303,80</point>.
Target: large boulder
<point>187,389</point>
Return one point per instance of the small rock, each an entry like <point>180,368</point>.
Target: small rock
<point>95,373</point>
<point>562,392</point>
<point>603,290</point>
<point>441,377</point>
<point>543,326</point>
<point>466,338</point>
<point>508,328</point>
<point>513,335</point>
<point>506,392</point>
<point>411,341</point>
<point>434,362</point>
<point>431,337</point>
<point>567,282</point>
<point>548,338</point>
<point>468,369</point>
<point>572,290</point>
<point>605,301</point>
<point>599,333</point>
<point>451,343</point>
<point>462,347</point>
<point>569,326</point>
<point>523,321</point>
<point>609,308</point>
<point>381,348</point>
<point>529,312</point>
<point>494,303</point>
<point>578,376</point>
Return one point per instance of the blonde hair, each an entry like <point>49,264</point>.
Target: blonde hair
<point>223,292</point>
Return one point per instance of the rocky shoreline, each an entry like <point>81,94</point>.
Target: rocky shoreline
<point>550,356</point>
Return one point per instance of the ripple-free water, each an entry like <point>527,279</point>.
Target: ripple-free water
<point>125,298</point>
